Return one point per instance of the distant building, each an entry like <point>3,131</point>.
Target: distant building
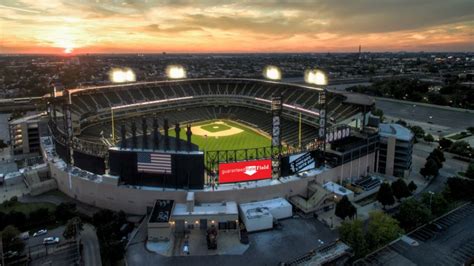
<point>24,135</point>
<point>395,150</point>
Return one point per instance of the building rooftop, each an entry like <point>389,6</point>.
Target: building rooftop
<point>395,130</point>
<point>337,189</point>
<point>229,207</point>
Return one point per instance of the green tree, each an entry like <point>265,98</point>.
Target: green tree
<point>3,145</point>
<point>412,186</point>
<point>445,144</point>
<point>431,169</point>
<point>400,189</point>
<point>428,138</point>
<point>470,129</point>
<point>385,195</point>
<point>65,211</point>
<point>10,239</point>
<point>39,216</point>
<point>73,227</point>
<point>439,205</point>
<point>379,113</point>
<point>461,148</point>
<point>470,171</point>
<point>418,131</point>
<point>382,229</point>
<point>344,208</point>
<point>412,214</point>
<point>352,233</point>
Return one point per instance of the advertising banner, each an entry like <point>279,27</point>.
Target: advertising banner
<point>245,171</point>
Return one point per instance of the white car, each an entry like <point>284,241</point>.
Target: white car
<point>40,233</point>
<point>51,240</point>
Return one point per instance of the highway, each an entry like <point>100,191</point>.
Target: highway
<point>452,119</point>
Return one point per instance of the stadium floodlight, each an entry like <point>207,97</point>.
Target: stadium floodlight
<point>272,72</point>
<point>175,72</point>
<point>119,75</point>
<point>315,76</point>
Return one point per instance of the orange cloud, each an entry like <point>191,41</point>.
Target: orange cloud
<point>146,26</point>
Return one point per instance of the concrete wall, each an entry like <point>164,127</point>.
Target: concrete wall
<point>134,201</point>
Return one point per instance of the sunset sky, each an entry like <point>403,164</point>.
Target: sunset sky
<point>146,26</point>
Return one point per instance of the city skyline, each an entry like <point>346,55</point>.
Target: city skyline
<point>62,27</point>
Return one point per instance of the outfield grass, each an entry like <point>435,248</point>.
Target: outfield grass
<point>246,139</point>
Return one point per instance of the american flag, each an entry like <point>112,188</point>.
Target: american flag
<point>157,163</point>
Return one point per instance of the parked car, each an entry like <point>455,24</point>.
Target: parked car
<point>51,240</point>
<point>10,254</point>
<point>40,233</point>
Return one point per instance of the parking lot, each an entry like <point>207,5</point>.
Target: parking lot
<point>450,241</point>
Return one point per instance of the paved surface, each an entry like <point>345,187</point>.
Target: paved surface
<point>453,245</point>
<point>91,249</point>
<point>296,238</point>
<point>452,120</point>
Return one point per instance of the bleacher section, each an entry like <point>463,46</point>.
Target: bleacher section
<point>253,118</point>
<point>188,101</point>
<point>90,101</point>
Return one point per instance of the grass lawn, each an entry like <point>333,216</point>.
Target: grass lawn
<point>26,208</point>
<point>246,139</point>
<point>459,136</point>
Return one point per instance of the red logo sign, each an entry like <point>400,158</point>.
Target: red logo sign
<point>245,171</point>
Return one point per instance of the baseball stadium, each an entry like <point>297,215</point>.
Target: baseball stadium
<point>210,140</point>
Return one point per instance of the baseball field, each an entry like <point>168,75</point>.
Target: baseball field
<point>225,135</point>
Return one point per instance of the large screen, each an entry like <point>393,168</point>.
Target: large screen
<point>245,171</point>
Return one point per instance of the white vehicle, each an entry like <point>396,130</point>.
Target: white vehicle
<point>51,240</point>
<point>40,233</point>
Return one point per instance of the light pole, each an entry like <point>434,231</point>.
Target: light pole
<point>431,197</point>
<point>319,78</point>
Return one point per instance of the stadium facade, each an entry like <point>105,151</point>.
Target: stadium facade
<point>110,145</point>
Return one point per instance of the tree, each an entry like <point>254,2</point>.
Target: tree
<point>412,186</point>
<point>438,154</point>
<point>73,227</point>
<point>379,113</point>
<point>436,202</point>
<point>382,229</point>
<point>16,218</point>
<point>400,189</point>
<point>412,214</point>
<point>344,208</point>
<point>461,148</point>
<point>470,129</point>
<point>418,131</point>
<point>460,189</point>
<point>10,239</point>
<point>65,211</point>
<point>445,144</point>
<point>470,171</point>
<point>39,216</point>
<point>3,145</point>
<point>428,138</point>
<point>352,233</point>
<point>431,169</point>
<point>385,195</point>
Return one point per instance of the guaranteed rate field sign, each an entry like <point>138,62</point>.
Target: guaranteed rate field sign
<point>245,171</point>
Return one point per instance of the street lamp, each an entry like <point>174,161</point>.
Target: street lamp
<point>431,197</point>
<point>319,78</point>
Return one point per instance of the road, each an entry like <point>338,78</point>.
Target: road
<point>91,249</point>
<point>297,237</point>
<point>450,120</point>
